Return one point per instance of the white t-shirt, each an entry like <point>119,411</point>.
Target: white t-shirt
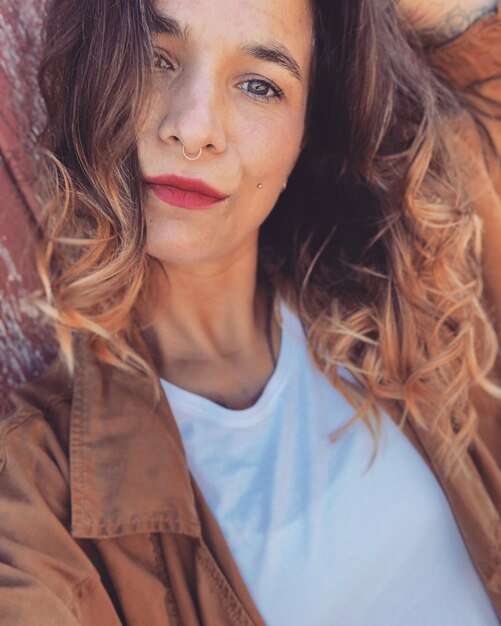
<point>319,539</point>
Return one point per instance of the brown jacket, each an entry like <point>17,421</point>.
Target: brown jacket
<point>101,523</point>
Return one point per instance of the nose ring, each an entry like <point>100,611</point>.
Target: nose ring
<point>191,157</point>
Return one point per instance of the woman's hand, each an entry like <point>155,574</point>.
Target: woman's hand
<point>438,21</point>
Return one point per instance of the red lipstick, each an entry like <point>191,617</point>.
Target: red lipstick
<point>185,193</point>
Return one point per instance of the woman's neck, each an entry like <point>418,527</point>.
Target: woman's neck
<point>213,332</point>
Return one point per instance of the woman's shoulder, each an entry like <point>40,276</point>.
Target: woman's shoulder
<point>40,419</point>
<point>45,572</point>
<point>34,441</point>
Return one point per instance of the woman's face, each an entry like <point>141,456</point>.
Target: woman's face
<point>231,77</point>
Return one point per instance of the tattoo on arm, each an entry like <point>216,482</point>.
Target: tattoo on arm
<point>455,21</point>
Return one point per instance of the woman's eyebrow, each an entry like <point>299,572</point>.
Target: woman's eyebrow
<point>273,52</point>
<point>162,24</point>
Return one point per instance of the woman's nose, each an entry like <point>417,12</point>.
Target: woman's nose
<point>195,116</point>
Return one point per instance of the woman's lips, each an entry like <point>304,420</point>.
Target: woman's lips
<point>185,193</point>
<point>183,198</point>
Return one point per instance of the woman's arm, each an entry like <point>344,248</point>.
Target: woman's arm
<point>439,21</point>
<point>469,58</point>
<point>472,64</point>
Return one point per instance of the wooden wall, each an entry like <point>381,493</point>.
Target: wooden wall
<point>25,347</point>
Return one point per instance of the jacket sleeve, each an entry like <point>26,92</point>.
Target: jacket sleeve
<point>45,575</point>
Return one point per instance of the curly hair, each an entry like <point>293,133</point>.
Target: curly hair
<point>375,242</point>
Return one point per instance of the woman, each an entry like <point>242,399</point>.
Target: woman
<point>258,226</point>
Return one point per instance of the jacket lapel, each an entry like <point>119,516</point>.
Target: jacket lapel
<point>128,467</point>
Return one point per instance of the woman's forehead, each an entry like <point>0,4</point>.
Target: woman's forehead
<point>236,21</point>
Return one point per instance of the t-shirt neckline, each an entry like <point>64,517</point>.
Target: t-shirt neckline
<point>200,407</point>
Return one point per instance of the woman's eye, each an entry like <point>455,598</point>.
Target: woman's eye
<point>256,87</point>
<point>261,89</point>
<point>161,62</point>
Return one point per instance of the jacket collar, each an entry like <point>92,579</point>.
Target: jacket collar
<point>128,468</point>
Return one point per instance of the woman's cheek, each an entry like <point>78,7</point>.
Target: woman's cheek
<point>271,146</point>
